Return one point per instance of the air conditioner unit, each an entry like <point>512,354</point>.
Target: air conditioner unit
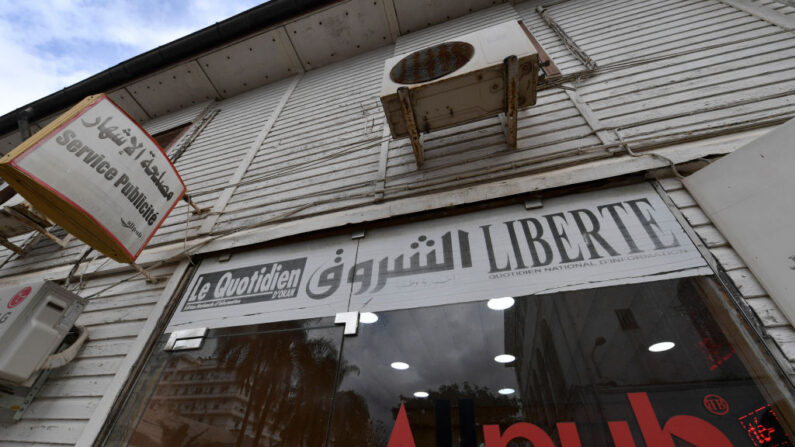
<point>35,319</point>
<point>467,78</point>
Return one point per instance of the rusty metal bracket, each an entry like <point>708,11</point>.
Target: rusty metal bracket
<point>11,246</point>
<point>35,226</point>
<point>511,79</point>
<point>551,71</point>
<point>404,94</point>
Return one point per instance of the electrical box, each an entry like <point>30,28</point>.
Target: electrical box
<point>34,319</point>
<point>460,80</point>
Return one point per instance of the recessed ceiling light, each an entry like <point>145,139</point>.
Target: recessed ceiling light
<point>421,394</point>
<point>662,346</point>
<point>368,317</point>
<point>400,365</point>
<point>500,303</point>
<point>504,358</point>
<point>506,391</point>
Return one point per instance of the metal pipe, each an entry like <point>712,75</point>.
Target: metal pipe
<point>568,41</point>
<point>23,122</point>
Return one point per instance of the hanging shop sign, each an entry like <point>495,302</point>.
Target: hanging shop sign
<point>95,172</point>
<point>618,236</point>
<point>748,195</point>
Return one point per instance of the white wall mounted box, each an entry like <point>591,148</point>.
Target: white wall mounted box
<point>460,80</point>
<point>34,319</point>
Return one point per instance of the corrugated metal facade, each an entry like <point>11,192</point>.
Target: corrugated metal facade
<point>314,144</point>
<point>114,318</point>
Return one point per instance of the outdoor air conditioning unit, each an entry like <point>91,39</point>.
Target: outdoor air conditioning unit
<point>35,319</point>
<point>470,77</point>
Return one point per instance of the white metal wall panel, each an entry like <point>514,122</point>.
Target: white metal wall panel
<point>781,6</point>
<point>448,30</point>
<point>43,254</point>
<point>552,133</point>
<point>68,399</point>
<point>757,299</point>
<point>176,119</point>
<point>322,152</point>
<point>215,154</point>
<point>549,40</point>
<point>725,67</point>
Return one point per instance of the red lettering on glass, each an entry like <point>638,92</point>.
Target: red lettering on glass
<point>622,437</point>
<point>761,433</point>
<point>688,428</point>
<point>401,432</point>
<point>716,404</point>
<point>691,429</point>
<point>524,430</point>
<point>758,426</point>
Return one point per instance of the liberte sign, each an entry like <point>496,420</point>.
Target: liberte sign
<point>96,173</point>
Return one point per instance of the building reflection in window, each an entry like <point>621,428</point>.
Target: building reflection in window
<point>581,357</point>
<point>576,365</point>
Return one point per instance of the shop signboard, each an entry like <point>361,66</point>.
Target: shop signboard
<point>617,236</point>
<point>748,196</point>
<point>95,172</point>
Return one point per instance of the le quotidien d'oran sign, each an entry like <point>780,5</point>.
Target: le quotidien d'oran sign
<point>95,172</point>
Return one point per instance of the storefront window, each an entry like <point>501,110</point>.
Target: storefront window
<point>641,364</point>
<point>278,380</point>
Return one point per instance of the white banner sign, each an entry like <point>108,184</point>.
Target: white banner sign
<point>617,236</point>
<point>748,194</point>
<point>109,168</point>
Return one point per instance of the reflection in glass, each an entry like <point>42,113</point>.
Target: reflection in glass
<point>500,303</point>
<point>368,318</point>
<point>504,358</point>
<point>662,346</point>
<point>581,361</point>
<point>255,389</point>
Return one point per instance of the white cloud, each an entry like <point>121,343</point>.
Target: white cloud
<point>47,46</point>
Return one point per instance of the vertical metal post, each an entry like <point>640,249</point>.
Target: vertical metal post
<point>411,124</point>
<point>24,123</point>
<point>511,77</point>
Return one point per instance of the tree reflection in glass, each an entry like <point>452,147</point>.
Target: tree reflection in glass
<point>254,389</point>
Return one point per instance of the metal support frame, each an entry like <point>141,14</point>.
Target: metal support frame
<point>350,320</point>
<point>186,339</point>
<point>575,49</point>
<point>32,224</point>
<point>404,94</point>
<point>551,71</point>
<point>511,79</point>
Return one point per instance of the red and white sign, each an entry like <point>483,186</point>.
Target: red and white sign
<point>19,297</point>
<point>99,175</point>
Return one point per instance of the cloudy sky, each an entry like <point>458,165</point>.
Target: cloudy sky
<point>47,45</point>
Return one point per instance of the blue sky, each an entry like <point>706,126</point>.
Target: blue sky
<point>47,45</point>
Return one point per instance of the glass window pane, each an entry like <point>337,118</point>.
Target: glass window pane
<point>645,362</point>
<point>244,387</point>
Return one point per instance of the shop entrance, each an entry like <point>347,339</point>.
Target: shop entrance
<point>650,364</point>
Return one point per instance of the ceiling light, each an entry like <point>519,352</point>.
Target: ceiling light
<point>368,318</point>
<point>421,394</point>
<point>662,346</point>
<point>506,391</point>
<point>500,303</point>
<point>400,365</point>
<point>504,358</point>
